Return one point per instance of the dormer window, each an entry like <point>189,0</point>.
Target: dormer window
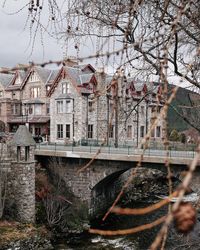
<point>33,77</point>
<point>65,88</point>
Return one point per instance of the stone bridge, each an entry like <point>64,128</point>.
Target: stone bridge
<point>105,164</point>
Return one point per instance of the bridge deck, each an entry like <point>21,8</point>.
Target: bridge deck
<point>115,154</point>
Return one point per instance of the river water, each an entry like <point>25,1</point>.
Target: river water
<point>89,242</point>
<point>139,241</point>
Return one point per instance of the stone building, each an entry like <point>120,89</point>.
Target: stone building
<point>69,103</point>
<point>24,99</point>
<point>5,101</point>
<point>77,103</point>
<point>83,110</point>
<point>17,164</point>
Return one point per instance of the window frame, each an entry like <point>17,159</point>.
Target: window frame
<point>68,106</point>
<point>35,92</point>
<point>59,131</point>
<point>142,133</point>
<point>65,88</point>
<point>90,131</point>
<point>111,131</point>
<point>158,131</point>
<point>129,132</point>
<point>59,107</point>
<point>68,131</point>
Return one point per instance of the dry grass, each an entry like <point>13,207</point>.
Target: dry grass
<point>13,231</point>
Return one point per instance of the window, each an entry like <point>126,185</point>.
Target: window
<point>90,131</point>
<point>59,107</point>
<point>158,131</point>
<point>65,88</point>
<point>1,93</point>
<point>142,131</point>
<point>90,105</point>
<point>48,108</point>
<point>129,132</point>
<point>15,109</point>
<point>153,133</point>
<point>59,131</point>
<point>142,110</point>
<point>35,92</point>
<point>68,106</point>
<point>67,130</point>
<point>111,131</point>
<point>33,77</point>
<point>38,110</point>
<point>30,109</point>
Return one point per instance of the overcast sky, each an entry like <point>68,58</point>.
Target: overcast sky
<point>14,41</point>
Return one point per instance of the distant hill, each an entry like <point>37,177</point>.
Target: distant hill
<point>184,97</point>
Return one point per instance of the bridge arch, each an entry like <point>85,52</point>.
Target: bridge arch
<point>90,181</point>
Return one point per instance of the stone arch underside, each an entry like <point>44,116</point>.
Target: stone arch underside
<point>81,184</point>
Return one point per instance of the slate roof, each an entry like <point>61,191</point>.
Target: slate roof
<point>82,67</point>
<point>85,78</point>
<point>64,96</point>
<point>86,91</point>
<point>35,101</point>
<point>33,119</point>
<point>43,73</point>
<point>36,119</point>
<point>78,75</point>
<point>22,74</point>
<point>5,79</point>
<point>22,137</point>
<point>52,76</point>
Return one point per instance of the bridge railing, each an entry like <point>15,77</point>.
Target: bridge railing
<point>112,150</point>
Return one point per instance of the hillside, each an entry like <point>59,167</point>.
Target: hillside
<point>184,97</point>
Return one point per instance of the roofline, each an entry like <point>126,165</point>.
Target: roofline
<point>57,80</point>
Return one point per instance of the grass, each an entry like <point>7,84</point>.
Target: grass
<point>13,231</point>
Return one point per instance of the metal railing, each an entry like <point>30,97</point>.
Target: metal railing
<point>129,150</point>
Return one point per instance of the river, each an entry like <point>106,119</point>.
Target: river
<point>139,241</point>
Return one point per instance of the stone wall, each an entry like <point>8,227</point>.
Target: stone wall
<point>20,184</point>
<point>80,184</point>
<point>22,177</point>
<point>134,112</point>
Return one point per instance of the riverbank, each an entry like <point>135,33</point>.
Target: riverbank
<point>15,235</point>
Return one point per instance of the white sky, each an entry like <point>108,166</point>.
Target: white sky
<point>14,40</point>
